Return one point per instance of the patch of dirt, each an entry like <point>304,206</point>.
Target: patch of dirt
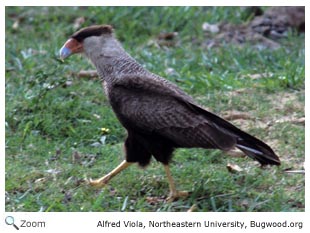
<point>233,115</point>
<point>289,109</point>
<point>262,32</point>
<point>287,101</point>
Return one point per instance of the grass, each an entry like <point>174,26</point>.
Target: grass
<point>53,117</point>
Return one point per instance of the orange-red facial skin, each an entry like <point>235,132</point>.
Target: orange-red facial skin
<point>74,46</point>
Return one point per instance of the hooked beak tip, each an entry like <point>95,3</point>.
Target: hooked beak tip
<point>64,52</point>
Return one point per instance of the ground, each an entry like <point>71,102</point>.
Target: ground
<point>54,117</point>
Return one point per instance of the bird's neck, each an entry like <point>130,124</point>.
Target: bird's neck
<point>113,62</point>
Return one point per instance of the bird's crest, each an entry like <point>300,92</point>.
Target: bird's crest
<point>95,30</point>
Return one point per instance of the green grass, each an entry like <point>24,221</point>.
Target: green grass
<point>51,114</point>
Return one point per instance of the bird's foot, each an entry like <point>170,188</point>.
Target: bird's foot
<point>99,183</point>
<point>176,195</point>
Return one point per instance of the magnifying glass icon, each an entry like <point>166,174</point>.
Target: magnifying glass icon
<point>9,220</point>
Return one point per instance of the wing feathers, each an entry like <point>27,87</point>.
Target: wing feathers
<point>158,107</point>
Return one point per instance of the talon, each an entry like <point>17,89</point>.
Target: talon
<point>176,195</point>
<point>99,183</point>
<point>86,181</point>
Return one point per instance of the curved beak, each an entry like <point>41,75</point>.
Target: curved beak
<point>70,47</point>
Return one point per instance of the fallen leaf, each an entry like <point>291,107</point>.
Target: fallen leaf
<point>167,39</point>
<point>15,25</point>
<point>299,121</point>
<point>154,200</point>
<point>78,22</point>
<point>213,28</point>
<point>233,168</point>
<point>40,180</point>
<point>167,36</point>
<point>291,120</point>
<point>87,74</point>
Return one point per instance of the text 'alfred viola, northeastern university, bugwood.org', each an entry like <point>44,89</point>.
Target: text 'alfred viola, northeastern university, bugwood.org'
<point>199,224</point>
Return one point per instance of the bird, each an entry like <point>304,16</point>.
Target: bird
<point>158,116</point>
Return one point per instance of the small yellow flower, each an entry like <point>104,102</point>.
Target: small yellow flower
<point>105,130</point>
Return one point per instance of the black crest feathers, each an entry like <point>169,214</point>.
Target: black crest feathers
<point>96,30</point>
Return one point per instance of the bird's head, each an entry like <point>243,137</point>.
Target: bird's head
<point>85,39</point>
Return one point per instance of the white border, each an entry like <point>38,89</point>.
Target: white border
<point>88,221</point>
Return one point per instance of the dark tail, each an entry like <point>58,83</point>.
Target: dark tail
<point>251,146</point>
<point>258,150</point>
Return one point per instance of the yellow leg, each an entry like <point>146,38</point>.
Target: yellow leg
<point>105,179</point>
<point>174,193</point>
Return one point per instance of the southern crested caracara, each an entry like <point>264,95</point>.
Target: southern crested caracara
<point>158,116</point>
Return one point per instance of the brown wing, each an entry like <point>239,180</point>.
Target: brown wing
<point>153,105</point>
